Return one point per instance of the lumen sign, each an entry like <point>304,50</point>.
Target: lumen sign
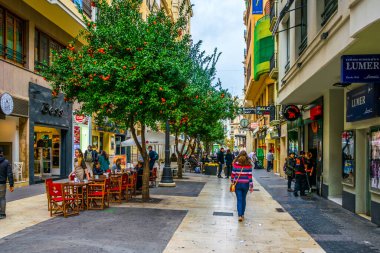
<point>360,68</point>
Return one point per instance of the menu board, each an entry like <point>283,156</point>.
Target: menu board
<point>348,158</point>
<point>375,160</point>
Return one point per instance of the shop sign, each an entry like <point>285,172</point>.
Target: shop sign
<point>360,68</point>
<point>244,123</point>
<point>48,109</point>
<point>258,110</point>
<point>316,112</point>
<point>6,104</point>
<point>363,103</point>
<point>81,119</point>
<point>291,112</point>
<point>257,6</point>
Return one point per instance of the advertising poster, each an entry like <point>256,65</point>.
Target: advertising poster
<point>375,160</point>
<point>348,155</point>
<point>76,137</point>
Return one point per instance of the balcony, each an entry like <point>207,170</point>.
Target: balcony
<point>273,72</point>
<point>245,34</point>
<point>263,47</point>
<point>330,8</point>
<point>273,14</point>
<point>85,5</point>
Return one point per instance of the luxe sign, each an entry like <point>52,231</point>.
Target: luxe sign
<point>363,103</point>
<point>360,68</point>
<point>48,109</point>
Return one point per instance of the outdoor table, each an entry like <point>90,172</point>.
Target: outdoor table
<point>80,190</point>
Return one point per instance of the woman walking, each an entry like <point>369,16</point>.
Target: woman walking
<point>104,161</point>
<point>242,177</point>
<point>80,168</point>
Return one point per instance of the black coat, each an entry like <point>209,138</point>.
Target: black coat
<point>6,172</point>
<point>220,157</point>
<point>229,158</point>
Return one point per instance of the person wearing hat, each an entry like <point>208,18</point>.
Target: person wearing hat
<point>5,173</point>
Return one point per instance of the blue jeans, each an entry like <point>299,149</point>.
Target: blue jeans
<point>3,189</point>
<point>241,191</point>
<point>220,169</point>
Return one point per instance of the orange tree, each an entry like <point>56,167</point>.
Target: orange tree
<point>131,71</point>
<point>203,106</point>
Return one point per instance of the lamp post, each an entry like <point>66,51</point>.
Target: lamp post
<point>167,176</point>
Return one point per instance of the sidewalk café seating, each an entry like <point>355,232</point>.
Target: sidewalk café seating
<point>131,185</point>
<point>47,182</point>
<point>125,186</point>
<point>116,188</point>
<point>98,195</point>
<point>62,199</point>
<point>153,177</point>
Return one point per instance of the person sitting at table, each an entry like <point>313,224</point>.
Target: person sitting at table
<point>97,170</point>
<point>117,166</point>
<point>140,170</point>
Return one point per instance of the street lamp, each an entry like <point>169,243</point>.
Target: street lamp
<point>167,176</point>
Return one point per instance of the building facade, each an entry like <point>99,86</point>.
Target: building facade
<point>259,89</point>
<point>328,58</point>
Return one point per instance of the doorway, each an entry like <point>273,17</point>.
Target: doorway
<point>7,149</point>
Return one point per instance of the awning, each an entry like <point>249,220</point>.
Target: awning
<point>281,16</point>
<point>151,138</point>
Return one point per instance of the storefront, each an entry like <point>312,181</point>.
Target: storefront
<point>361,151</point>
<point>13,134</point>
<point>50,135</point>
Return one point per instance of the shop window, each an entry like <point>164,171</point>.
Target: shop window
<point>44,49</point>
<point>47,154</point>
<point>11,37</point>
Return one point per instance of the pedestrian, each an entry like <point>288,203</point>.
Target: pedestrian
<point>80,168</point>
<point>290,166</point>
<point>5,174</point>
<point>241,176</point>
<point>153,157</point>
<point>229,159</point>
<point>310,170</point>
<point>173,158</point>
<point>104,161</point>
<point>270,158</point>
<point>300,171</point>
<point>89,158</point>
<point>220,158</point>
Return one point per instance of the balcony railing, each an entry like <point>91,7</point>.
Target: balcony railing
<point>330,8</point>
<point>12,55</point>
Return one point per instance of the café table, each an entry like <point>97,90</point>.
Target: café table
<point>80,190</point>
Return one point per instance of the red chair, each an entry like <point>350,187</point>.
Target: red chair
<point>115,189</point>
<point>62,200</point>
<point>98,192</point>
<point>131,185</point>
<point>153,178</point>
<point>47,182</point>
<point>124,185</point>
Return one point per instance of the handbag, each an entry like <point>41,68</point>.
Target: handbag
<point>233,184</point>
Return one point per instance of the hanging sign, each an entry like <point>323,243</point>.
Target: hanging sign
<point>257,6</point>
<point>258,110</point>
<point>360,68</point>
<point>291,112</point>
<point>6,103</point>
<point>244,123</point>
<point>81,119</point>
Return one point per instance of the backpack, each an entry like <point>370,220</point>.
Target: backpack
<point>155,156</point>
<point>88,157</point>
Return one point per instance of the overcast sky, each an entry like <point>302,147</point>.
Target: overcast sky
<point>219,23</point>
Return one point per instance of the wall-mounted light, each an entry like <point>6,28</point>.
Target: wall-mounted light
<point>299,65</point>
<point>324,35</point>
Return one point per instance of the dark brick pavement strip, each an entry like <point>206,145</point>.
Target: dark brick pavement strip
<point>334,228</point>
<point>183,188</point>
<point>112,230</point>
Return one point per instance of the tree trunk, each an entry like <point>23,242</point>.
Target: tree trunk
<point>179,164</point>
<point>142,148</point>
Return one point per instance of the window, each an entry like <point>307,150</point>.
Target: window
<point>287,45</point>
<point>330,7</point>
<point>11,37</point>
<point>43,49</point>
<point>303,42</point>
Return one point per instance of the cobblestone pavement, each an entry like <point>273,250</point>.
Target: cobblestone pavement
<point>203,221</point>
<point>334,228</point>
